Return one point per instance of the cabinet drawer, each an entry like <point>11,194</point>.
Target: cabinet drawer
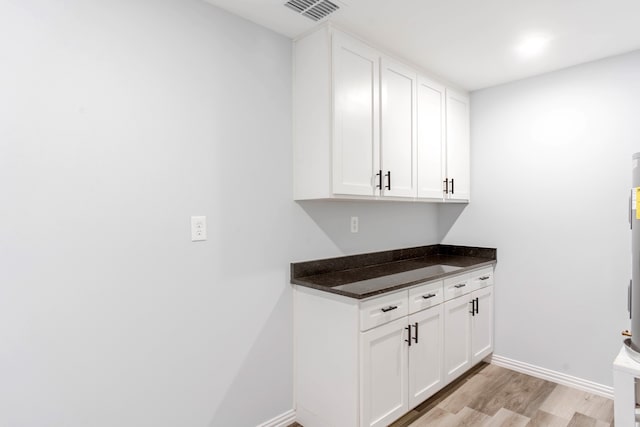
<point>380,310</point>
<point>481,278</point>
<point>425,296</point>
<point>456,286</point>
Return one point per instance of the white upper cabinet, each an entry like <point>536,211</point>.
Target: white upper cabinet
<point>458,146</point>
<point>431,139</point>
<point>398,155</point>
<point>365,126</point>
<point>356,138</point>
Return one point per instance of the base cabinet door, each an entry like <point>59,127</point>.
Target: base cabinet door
<point>482,324</point>
<point>457,330</point>
<point>383,374</point>
<point>426,374</point>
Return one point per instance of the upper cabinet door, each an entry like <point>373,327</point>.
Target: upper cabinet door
<point>398,153</point>
<point>431,127</point>
<point>458,149</point>
<point>356,97</point>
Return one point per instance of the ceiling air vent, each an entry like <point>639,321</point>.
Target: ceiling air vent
<point>313,9</point>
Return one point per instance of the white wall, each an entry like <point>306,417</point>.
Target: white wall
<point>551,175</point>
<point>118,121</point>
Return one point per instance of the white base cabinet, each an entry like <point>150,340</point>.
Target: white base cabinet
<point>469,331</point>
<point>395,376</point>
<point>366,363</point>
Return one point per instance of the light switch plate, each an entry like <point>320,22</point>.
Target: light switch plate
<point>198,228</point>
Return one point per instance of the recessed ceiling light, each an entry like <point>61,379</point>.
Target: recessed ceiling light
<point>532,45</point>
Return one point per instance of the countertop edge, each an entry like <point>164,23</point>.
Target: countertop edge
<point>329,289</point>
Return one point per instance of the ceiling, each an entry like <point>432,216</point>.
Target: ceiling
<point>472,43</point>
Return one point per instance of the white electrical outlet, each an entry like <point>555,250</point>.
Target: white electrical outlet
<point>198,228</point>
<point>354,224</point>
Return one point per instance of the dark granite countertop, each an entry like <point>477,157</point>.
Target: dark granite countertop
<point>366,275</point>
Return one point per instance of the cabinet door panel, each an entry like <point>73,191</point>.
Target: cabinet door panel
<point>356,139</point>
<point>398,129</point>
<point>430,138</point>
<point>383,387</point>
<point>482,325</point>
<point>458,149</point>
<point>457,350</point>
<point>426,374</point>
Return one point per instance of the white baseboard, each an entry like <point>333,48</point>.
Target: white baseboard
<point>282,420</point>
<point>556,377</point>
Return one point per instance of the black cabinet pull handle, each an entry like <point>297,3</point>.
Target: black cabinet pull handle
<point>415,325</point>
<point>473,307</point>
<point>379,175</point>
<point>428,296</point>
<point>388,175</point>
<point>484,277</point>
<point>460,285</point>
<point>477,306</point>
<point>446,186</point>
<point>408,328</point>
<point>391,307</point>
<point>452,187</point>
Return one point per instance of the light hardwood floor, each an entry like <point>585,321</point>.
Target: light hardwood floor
<point>491,396</point>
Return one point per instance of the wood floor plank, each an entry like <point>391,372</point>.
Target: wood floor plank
<point>495,396</point>
<point>545,419</point>
<point>479,393</point>
<point>582,420</point>
<point>468,417</point>
<point>522,394</point>
<point>565,401</point>
<point>597,407</point>
<point>507,418</point>
<point>528,396</point>
<point>436,417</point>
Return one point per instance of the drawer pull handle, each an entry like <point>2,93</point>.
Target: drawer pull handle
<point>391,307</point>
<point>428,296</point>
<point>484,277</point>
<point>460,285</point>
